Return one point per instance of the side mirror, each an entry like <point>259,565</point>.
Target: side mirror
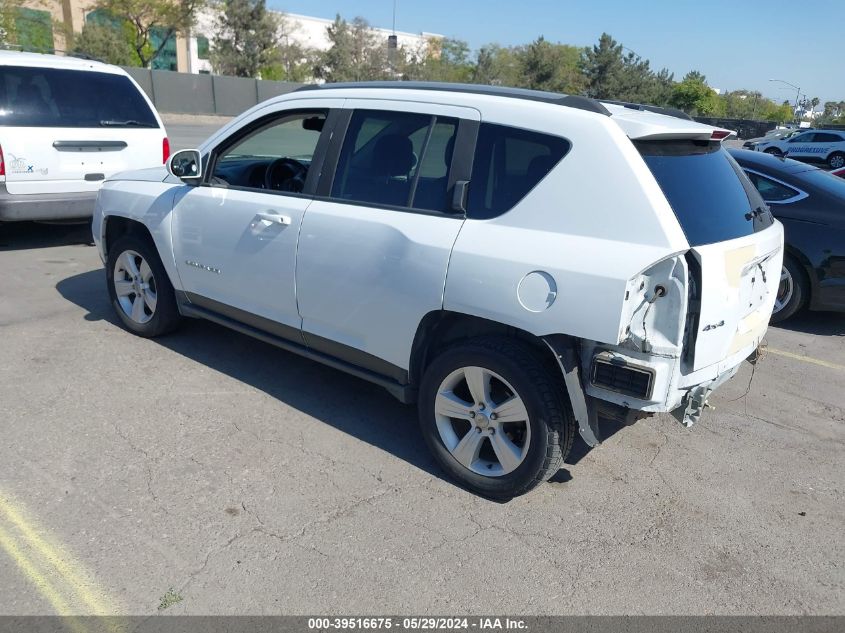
<point>186,164</point>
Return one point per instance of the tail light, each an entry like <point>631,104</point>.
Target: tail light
<point>2,163</point>
<point>165,150</point>
<point>719,135</point>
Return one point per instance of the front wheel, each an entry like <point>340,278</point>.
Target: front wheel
<point>792,291</point>
<point>139,288</point>
<point>494,418</point>
<point>773,151</point>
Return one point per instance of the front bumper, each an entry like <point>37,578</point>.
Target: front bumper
<point>45,206</point>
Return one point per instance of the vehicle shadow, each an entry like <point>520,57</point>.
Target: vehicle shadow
<point>351,405</point>
<point>16,236</point>
<point>821,323</point>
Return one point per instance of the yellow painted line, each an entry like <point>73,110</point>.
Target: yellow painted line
<point>806,359</point>
<point>61,562</point>
<point>45,588</point>
<point>61,580</point>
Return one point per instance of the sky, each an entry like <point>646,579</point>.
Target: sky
<point>735,43</point>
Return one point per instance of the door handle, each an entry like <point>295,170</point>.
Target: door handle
<point>273,218</point>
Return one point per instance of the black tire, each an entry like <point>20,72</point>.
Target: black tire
<point>165,318</point>
<point>799,294</point>
<point>774,151</point>
<point>552,427</point>
<point>836,160</point>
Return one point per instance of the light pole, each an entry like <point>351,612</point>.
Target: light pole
<point>797,95</point>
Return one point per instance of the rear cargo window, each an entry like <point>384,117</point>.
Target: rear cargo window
<point>711,197</point>
<point>49,97</point>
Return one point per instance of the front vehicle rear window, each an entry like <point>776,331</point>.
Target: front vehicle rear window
<point>51,97</point>
<point>711,197</point>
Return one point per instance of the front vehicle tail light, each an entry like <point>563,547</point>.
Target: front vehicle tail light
<point>2,163</point>
<point>165,150</point>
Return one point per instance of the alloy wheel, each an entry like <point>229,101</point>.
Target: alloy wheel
<point>135,287</point>
<point>482,421</point>
<point>785,290</point>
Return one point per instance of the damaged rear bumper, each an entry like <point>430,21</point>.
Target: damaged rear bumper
<point>669,389</point>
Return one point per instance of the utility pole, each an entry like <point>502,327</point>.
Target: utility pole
<point>797,95</point>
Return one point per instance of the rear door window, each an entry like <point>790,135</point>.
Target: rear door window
<point>824,137</point>
<point>509,162</point>
<point>396,159</point>
<point>712,198</point>
<point>50,97</point>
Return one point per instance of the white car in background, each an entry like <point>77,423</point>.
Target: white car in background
<point>66,125</point>
<point>816,146</point>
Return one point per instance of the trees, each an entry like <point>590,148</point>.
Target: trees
<point>601,65</point>
<point>496,66</point>
<point>151,23</point>
<point>107,43</point>
<point>610,73</point>
<point>291,61</point>
<point>543,65</point>
<point>355,53</point>
<point>246,36</point>
<point>8,13</point>
<point>694,96</point>
<point>445,59</point>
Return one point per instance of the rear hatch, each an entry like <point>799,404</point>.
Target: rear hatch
<point>736,245</point>
<point>65,130</point>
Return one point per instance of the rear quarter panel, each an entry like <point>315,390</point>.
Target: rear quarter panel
<point>597,220</point>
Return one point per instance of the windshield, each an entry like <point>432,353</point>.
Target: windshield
<point>49,97</point>
<point>711,197</point>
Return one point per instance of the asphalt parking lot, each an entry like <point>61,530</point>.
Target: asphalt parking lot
<point>208,473</point>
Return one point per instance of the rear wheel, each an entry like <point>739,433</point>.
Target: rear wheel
<point>494,418</point>
<point>792,291</point>
<point>836,160</point>
<point>139,287</point>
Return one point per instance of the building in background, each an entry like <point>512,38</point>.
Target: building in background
<point>308,32</point>
<point>35,30</point>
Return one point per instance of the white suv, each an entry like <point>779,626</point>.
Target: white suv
<point>67,124</point>
<point>815,146</point>
<point>516,262</point>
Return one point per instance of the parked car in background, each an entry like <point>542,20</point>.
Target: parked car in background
<point>515,262</point>
<point>773,135</point>
<point>816,146</point>
<point>811,205</point>
<point>67,124</point>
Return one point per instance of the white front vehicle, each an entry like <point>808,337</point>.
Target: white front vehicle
<point>67,124</point>
<point>814,146</point>
<point>518,263</point>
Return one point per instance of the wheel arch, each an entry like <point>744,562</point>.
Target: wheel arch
<point>440,329</point>
<point>806,267</point>
<point>117,226</point>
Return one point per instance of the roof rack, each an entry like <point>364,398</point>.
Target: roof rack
<point>571,101</point>
<point>673,112</point>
